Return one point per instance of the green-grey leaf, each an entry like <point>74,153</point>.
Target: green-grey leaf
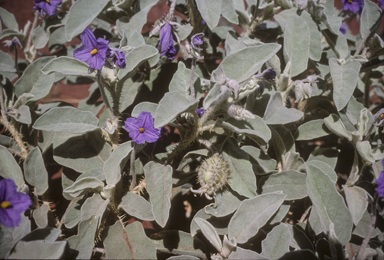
<point>34,81</point>
<point>136,206</point>
<point>73,215</point>
<point>329,204</point>
<point>67,119</point>
<point>296,40</point>
<point>326,155</point>
<point>210,11</point>
<point>228,11</point>
<point>171,105</point>
<point>181,82</point>
<point>81,14</point>
<point>225,203</point>
<point>83,185</point>
<point>9,20</point>
<point>40,215</point>
<point>365,151</point>
<point>186,243</point>
<point>23,115</point>
<point>311,130</point>
<point>209,232</point>
<point>344,79</point>
<point>324,167</point>
<point>83,242</point>
<point>9,167</point>
<point>280,236</point>
<point>144,106</point>
<point>292,183</point>
<point>35,172</point>
<point>128,243</point>
<point>240,253</point>
<point>357,200</point>
<point>315,37</point>
<point>159,186</point>
<point>93,206</point>
<point>242,179</point>
<point>135,57</point>
<point>81,152</point>
<point>252,215</point>
<point>117,160</point>
<point>263,160</point>
<point>369,16</point>
<point>334,124</point>
<point>243,64</point>
<point>68,66</point>
<point>255,128</point>
<point>276,113</point>
<point>12,235</point>
<point>129,90</point>
<point>38,249</point>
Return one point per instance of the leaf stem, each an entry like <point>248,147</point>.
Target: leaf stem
<point>132,167</point>
<point>191,86</point>
<point>126,236</point>
<point>371,226</point>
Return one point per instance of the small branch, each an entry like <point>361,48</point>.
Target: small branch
<point>371,226</point>
<point>126,237</point>
<point>172,9</point>
<point>16,61</point>
<point>191,86</point>
<point>209,145</point>
<point>305,214</point>
<point>29,40</point>
<point>104,96</point>
<point>132,168</point>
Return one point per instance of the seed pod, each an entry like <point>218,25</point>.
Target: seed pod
<point>213,175</point>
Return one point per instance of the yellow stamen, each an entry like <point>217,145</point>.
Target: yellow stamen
<point>141,130</point>
<point>47,1</point>
<point>5,204</point>
<point>94,51</point>
<point>381,115</point>
<point>350,1</point>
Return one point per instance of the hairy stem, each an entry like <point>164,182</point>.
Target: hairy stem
<point>191,86</point>
<point>371,226</point>
<point>132,168</point>
<point>29,39</point>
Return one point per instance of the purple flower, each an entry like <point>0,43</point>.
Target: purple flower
<point>200,111</point>
<point>381,3</point>
<point>12,43</point>
<point>118,57</point>
<point>93,51</point>
<point>46,6</point>
<point>380,182</point>
<point>166,46</point>
<point>269,74</point>
<point>355,6</point>
<point>343,28</point>
<point>142,129</point>
<point>378,118</point>
<point>196,40</point>
<point>12,203</point>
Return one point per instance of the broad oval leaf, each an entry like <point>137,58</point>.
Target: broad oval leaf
<point>209,232</point>
<point>9,167</point>
<point>243,64</point>
<point>136,206</point>
<point>329,204</point>
<point>276,244</point>
<point>311,130</point>
<point>67,119</point>
<point>68,66</point>
<point>210,11</point>
<point>225,204</point>
<point>292,183</point>
<point>336,126</point>
<point>128,242</point>
<point>276,113</point>
<point>171,105</point>
<point>357,200</point>
<point>83,185</point>
<point>35,172</point>
<point>81,14</point>
<point>252,215</point>
<point>159,186</point>
<point>38,249</point>
<point>344,78</point>
<point>115,163</point>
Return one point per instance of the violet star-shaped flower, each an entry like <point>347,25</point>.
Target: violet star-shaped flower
<point>381,3</point>
<point>142,129</point>
<point>166,47</point>
<point>355,6</point>
<point>380,183</point>
<point>12,203</point>
<point>93,51</point>
<point>378,117</point>
<point>200,111</point>
<point>47,6</point>
<point>118,57</point>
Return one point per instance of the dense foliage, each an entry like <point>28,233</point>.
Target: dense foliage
<point>234,129</point>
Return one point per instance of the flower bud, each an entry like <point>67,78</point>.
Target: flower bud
<point>239,112</point>
<point>302,91</point>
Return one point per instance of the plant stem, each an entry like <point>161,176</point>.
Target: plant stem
<point>371,226</point>
<point>191,86</point>
<point>132,168</point>
<point>29,40</point>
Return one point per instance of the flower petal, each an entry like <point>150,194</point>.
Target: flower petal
<point>89,39</point>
